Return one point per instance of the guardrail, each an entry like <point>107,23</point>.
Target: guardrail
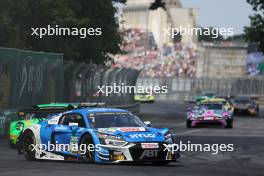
<point>186,89</point>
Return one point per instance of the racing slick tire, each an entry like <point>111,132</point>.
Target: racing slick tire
<point>27,141</point>
<point>188,124</point>
<point>229,123</point>
<point>88,156</point>
<point>257,113</point>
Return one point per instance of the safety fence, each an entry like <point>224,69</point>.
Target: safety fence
<point>28,78</point>
<point>185,89</point>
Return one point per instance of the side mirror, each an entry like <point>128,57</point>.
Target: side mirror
<point>148,123</point>
<point>73,126</point>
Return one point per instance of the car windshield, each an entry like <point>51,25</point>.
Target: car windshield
<point>211,106</point>
<point>208,94</point>
<point>108,120</point>
<point>242,100</point>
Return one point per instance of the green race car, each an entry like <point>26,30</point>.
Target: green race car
<point>205,96</point>
<point>36,114</point>
<point>145,98</point>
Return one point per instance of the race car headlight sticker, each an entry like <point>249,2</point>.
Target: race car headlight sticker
<point>19,126</point>
<point>111,140</point>
<point>191,115</point>
<point>168,138</point>
<point>168,135</point>
<point>115,142</point>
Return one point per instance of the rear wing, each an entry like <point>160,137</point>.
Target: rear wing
<point>92,105</point>
<point>41,112</point>
<point>58,109</point>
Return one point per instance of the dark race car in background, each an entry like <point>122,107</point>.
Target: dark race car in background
<point>245,105</point>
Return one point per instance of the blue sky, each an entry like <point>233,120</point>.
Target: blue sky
<point>222,13</point>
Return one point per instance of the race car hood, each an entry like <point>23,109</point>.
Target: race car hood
<point>136,134</point>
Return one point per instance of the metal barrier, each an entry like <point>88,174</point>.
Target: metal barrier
<point>81,83</point>
<point>186,89</point>
<point>28,78</point>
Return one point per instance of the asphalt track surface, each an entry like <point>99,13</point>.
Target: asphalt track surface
<point>247,159</point>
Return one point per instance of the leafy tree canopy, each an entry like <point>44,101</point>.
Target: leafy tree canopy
<point>17,17</point>
<point>255,32</point>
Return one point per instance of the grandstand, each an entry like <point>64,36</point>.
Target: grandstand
<point>136,14</point>
<point>146,48</point>
<point>170,60</point>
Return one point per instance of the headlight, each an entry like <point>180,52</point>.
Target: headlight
<point>111,140</point>
<point>19,126</point>
<point>192,115</point>
<point>115,142</point>
<point>168,138</point>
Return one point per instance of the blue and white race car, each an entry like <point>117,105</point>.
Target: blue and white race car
<point>100,135</point>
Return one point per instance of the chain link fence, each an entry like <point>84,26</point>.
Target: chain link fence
<point>185,89</point>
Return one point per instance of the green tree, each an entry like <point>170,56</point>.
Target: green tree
<point>255,32</point>
<point>17,17</point>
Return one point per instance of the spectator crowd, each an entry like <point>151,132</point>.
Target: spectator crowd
<point>141,53</point>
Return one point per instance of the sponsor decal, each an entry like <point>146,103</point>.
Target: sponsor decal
<point>148,135</point>
<point>149,154</point>
<point>53,121</point>
<point>60,128</point>
<point>150,145</point>
<point>131,129</point>
<point>107,130</point>
<point>208,118</point>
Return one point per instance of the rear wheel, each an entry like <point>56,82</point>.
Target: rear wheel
<point>28,143</point>
<point>89,155</point>
<point>257,113</point>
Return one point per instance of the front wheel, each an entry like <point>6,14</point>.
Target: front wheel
<point>229,123</point>
<point>12,145</point>
<point>188,124</point>
<point>89,154</point>
<point>28,143</point>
